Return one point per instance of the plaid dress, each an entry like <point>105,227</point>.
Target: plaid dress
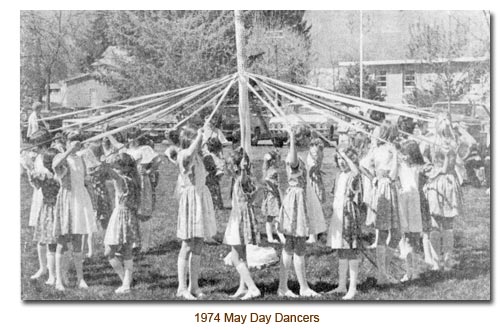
<point>44,227</point>
<point>271,203</point>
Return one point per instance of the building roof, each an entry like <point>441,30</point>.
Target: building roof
<point>413,61</point>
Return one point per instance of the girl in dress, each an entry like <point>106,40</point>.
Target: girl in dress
<point>75,216</point>
<point>315,189</point>
<point>96,186</point>
<point>241,229</point>
<point>210,158</point>
<point>413,206</point>
<point>147,161</point>
<point>43,234</point>
<point>33,164</point>
<point>444,194</point>
<point>344,233</point>
<point>123,228</point>
<point>295,223</point>
<point>383,161</point>
<point>271,203</point>
<point>196,216</point>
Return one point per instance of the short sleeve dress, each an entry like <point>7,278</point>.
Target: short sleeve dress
<point>37,199</point>
<point>196,216</point>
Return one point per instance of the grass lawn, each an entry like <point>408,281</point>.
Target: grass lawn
<point>156,270</point>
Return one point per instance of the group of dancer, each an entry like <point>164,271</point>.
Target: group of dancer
<point>404,186</point>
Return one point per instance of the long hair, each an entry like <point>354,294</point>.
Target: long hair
<point>411,149</point>
<point>128,166</point>
<point>48,158</point>
<point>388,132</point>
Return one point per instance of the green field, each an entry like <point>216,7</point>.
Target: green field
<point>155,274</point>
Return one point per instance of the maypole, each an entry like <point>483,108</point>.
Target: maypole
<point>244,110</point>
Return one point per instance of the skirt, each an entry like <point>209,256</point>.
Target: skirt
<point>315,208</point>
<point>242,227</point>
<point>293,218</point>
<point>196,216</point>
<point>36,205</point>
<point>44,228</point>
<point>444,196</point>
<point>270,205</point>
<point>123,227</point>
<point>384,204</point>
<point>73,215</point>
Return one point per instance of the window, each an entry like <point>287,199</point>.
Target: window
<point>409,79</point>
<point>381,79</point>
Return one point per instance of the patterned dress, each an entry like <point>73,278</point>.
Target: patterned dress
<point>315,189</point>
<point>123,227</point>
<point>144,157</point>
<point>271,203</point>
<point>44,228</point>
<point>242,226</point>
<point>100,196</point>
<point>293,218</point>
<point>443,188</point>
<point>196,216</point>
<point>345,226</point>
<point>212,179</point>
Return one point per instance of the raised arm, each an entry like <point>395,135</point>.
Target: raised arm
<point>292,158</point>
<point>60,160</point>
<point>196,144</point>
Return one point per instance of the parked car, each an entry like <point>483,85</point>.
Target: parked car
<point>259,123</point>
<point>475,116</point>
<point>296,114</point>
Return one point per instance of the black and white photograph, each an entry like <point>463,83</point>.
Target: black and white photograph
<point>254,155</point>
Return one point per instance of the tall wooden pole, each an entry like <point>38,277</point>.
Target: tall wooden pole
<point>244,109</point>
<point>361,53</point>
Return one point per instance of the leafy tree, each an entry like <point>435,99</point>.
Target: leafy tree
<point>349,84</point>
<point>47,50</point>
<point>285,57</point>
<point>437,47</point>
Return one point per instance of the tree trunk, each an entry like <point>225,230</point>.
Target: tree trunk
<point>48,91</point>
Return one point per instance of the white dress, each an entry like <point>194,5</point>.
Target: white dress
<point>74,210</point>
<point>334,239</point>
<point>409,199</point>
<point>196,216</point>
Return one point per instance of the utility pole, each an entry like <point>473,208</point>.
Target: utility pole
<point>244,109</point>
<point>361,53</point>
